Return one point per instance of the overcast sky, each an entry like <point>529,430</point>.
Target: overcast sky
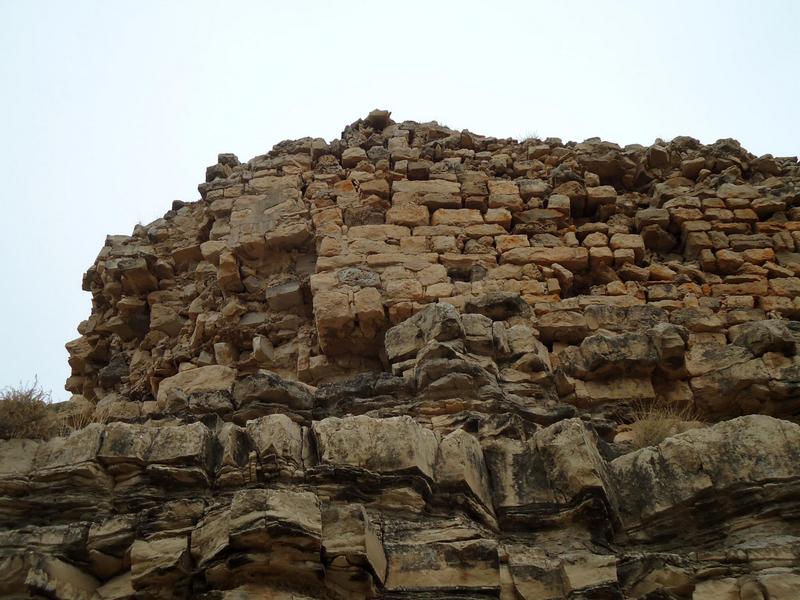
<point>109,110</point>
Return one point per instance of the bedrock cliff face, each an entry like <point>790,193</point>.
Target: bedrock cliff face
<point>405,364</point>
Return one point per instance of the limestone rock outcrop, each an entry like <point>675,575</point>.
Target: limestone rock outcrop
<point>410,363</point>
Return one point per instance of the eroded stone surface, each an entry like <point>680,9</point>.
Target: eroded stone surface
<point>405,363</point>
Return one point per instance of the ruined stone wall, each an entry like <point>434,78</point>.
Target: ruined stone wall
<point>300,260</point>
<point>410,363</point>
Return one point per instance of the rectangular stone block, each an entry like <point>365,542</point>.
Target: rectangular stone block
<point>427,187</point>
<point>574,259</point>
<point>284,296</point>
<point>457,216</point>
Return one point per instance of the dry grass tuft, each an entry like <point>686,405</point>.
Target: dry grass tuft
<point>24,412</point>
<point>656,421</point>
<point>74,420</point>
<point>530,136</point>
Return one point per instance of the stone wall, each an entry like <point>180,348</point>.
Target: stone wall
<point>406,364</point>
<point>300,260</point>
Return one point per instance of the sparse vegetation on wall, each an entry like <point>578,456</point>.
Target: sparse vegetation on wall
<point>656,421</point>
<point>24,412</point>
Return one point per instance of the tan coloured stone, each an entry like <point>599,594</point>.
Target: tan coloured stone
<point>628,241</point>
<point>409,261</point>
<point>213,378</point>
<point>510,202</point>
<point>560,204</point>
<point>460,462</point>
<point>730,190</point>
<point>379,233</point>
<point>408,214</point>
<point>457,216</point>
<point>378,445</point>
<point>562,326</point>
<point>439,571</point>
<point>498,216</point>
<point>278,441</point>
<point>574,259</point>
<point>595,240</point>
<point>165,319</point>
<point>265,518</point>
<point>333,314</point>
<point>348,534</point>
<point>352,156</point>
<point>437,186</point>
<point>507,242</point>
<point>160,563</point>
<point>284,296</point>
<point>56,578</point>
<point>492,483</point>
<point>600,255</point>
<point>785,286</point>
<point>589,393</point>
<point>369,311</point>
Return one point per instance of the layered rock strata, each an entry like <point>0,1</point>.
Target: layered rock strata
<point>405,363</point>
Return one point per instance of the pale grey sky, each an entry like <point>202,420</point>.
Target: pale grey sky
<point>109,110</point>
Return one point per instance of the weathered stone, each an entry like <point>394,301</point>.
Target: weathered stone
<point>438,573</point>
<point>612,391</point>
<point>460,463</point>
<point>767,336</point>
<point>439,322</point>
<point>704,358</point>
<point>604,356</point>
<point>628,241</point>
<point>259,518</point>
<point>202,380</point>
<point>160,566</point>
<point>562,326</point>
<point>715,461</point>
<point>284,296</point>
<point>352,544</point>
<point>266,388</point>
<point>352,156</point>
<point>51,577</point>
<point>181,453</point>
<point>563,465</point>
<point>478,334</point>
<point>165,319</point>
<point>278,441</point>
<point>408,214</point>
<point>499,345</point>
<point>730,190</point>
<point>498,306</point>
<point>692,167</point>
<point>437,186</point>
<point>457,216</point>
<point>574,259</point>
<point>228,276</point>
<point>385,446</point>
